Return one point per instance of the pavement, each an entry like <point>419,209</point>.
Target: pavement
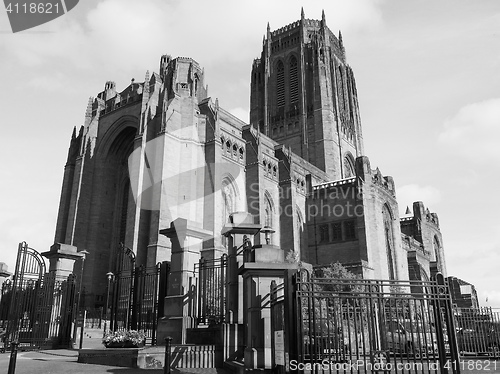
<point>65,361</point>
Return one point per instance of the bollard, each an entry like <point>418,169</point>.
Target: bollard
<point>13,357</point>
<point>166,365</point>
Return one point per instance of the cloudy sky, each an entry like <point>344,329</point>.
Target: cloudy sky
<point>427,74</point>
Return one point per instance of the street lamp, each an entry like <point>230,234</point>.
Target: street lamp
<point>110,276</point>
<point>267,231</point>
<point>84,254</point>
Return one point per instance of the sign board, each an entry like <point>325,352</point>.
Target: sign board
<point>279,348</point>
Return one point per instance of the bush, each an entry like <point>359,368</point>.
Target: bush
<point>132,336</point>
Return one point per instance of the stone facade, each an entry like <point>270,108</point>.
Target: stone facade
<point>162,150</point>
<point>463,294</point>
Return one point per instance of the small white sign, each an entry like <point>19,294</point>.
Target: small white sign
<point>279,348</point>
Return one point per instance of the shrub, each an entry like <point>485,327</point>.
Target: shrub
<point>123,336</point>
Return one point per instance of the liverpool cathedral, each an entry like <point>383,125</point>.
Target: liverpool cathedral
<point>162,154</point>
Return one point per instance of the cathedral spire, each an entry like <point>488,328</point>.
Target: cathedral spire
<point>88,112</point>
<point>146,82</point>
<point>323,18</point>
<point>302,14</point>
<point>268,30</point>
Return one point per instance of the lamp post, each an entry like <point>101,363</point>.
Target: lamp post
<point>267,231</point>
<point>84,254</point>
<point>110,276</point>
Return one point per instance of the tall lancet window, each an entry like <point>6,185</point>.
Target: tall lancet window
<point>348,167</point>
<point>294,82</point>
<point>389,241</point>
<point>229,199</point>
<point>280,84</point>
<point>435,244</point>
<point>268,214</point>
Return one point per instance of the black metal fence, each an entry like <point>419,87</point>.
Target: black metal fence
<point>354,325</point>
<point>135,301</point>
<point>94,318</point>
<point>136,293</point>
<point>36,308</point>
<point>38,313</point>
<point>478,331</point>
<point>212,277</point>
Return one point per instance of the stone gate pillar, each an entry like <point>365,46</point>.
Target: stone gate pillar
<point>187,239</point>
<point>263,264</point>
<point>62,258</point>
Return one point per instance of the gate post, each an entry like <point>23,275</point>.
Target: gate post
<point>186,238</point>
<point>443,310</point>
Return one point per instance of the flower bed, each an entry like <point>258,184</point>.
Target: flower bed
<point>124,339</point>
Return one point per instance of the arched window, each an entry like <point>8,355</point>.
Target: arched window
<point>280,84</point>
<point>268,210</point>
<point>229,196</point>
<point>300,232</point>
<point>389,241</point>
<point>436,247</point>
<point>348,167</point>
<point>294,81</point>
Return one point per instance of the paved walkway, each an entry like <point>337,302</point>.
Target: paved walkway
<point>65,361</point>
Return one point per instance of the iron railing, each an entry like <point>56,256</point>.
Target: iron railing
<point>385,325</point>
<point>212,277</point>
<point>478,331</point>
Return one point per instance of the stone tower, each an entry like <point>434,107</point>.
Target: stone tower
<point>303,95</point>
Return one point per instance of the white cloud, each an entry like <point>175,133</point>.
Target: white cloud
<point>474,131</point>
<point>125,31</point>
<point>410,193</point>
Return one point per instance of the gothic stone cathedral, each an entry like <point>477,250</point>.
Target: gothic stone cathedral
<point>162,149</point>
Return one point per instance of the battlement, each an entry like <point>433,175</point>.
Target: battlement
<point>188,59</point>
<point>285,29</point>
<point>256,62</point>
<point>110,100</point>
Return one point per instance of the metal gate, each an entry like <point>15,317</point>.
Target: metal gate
<point>365,326</point>
<point>36,308</point>
<point>478,331</point>
<point>136,291</point>
<point>212,277</point>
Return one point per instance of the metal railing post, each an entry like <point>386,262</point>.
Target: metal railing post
<point>13,357</point>
<point>168,353</point>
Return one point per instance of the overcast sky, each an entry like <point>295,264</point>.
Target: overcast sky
<point>427,74</point>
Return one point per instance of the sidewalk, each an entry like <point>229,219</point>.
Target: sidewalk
<point>65,361</point>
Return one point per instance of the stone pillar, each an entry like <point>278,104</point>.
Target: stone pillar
<point>265,264</point>
<point>4,273</point>
<point>62,258</point>
<point>186,238</point>
<point>239,231</point>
